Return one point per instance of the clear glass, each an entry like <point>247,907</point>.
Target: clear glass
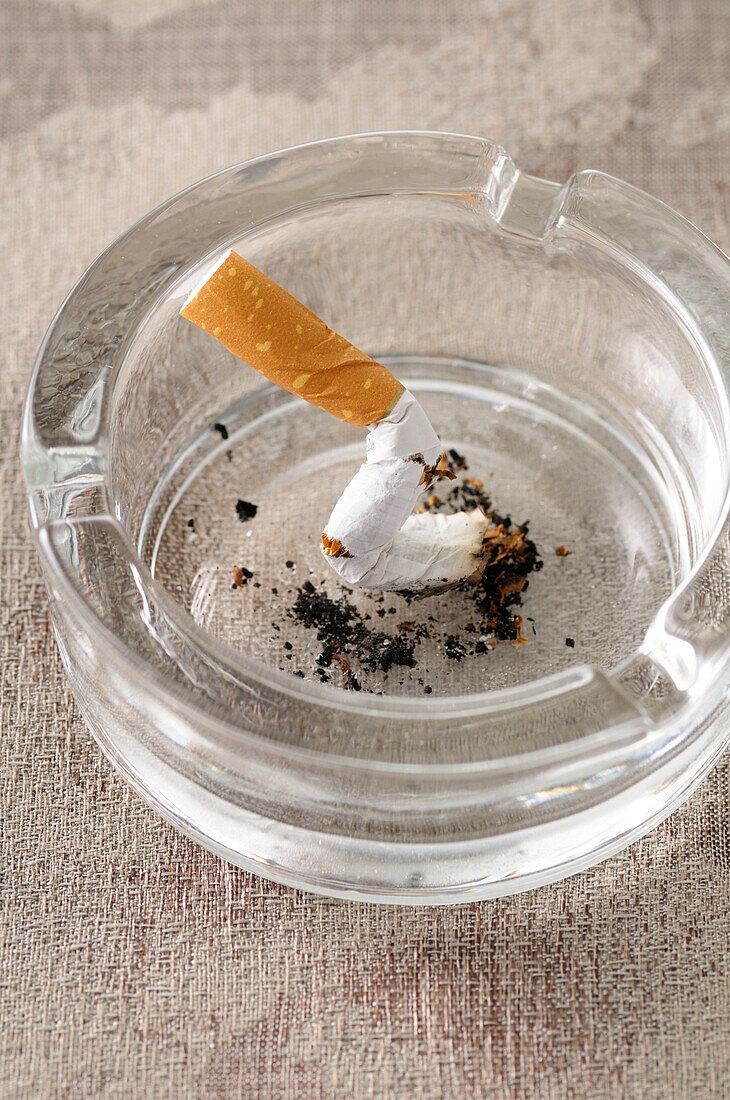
<point>574,342</point>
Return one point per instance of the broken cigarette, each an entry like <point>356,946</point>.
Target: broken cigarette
<point>372,538</point>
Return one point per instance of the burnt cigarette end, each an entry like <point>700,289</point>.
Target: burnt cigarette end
<point>333,548</point>
<point>442,469</point>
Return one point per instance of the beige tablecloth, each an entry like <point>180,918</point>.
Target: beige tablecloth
<point>133,963</point>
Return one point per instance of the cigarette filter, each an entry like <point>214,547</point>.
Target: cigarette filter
<point>273,332</point>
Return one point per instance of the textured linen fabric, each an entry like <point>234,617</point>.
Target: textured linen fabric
<point>133,963</point>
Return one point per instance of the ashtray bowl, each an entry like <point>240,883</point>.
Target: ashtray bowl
<point>573,340</point>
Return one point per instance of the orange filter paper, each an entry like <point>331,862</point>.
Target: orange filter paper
<point>262,324</point>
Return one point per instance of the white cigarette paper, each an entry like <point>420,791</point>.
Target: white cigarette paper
<point>383,544</point>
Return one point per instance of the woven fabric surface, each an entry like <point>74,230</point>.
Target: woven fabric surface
<point>135,964</point>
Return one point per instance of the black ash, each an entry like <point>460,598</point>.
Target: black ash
<point>245,510</point>
<point>355,647</point>
<point>343,633</point>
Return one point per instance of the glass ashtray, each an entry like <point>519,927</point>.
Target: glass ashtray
<point>572,342</point>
